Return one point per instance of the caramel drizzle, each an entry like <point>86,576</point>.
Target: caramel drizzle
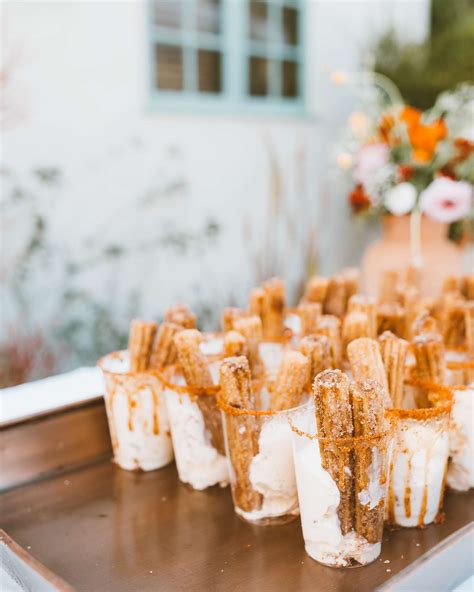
<point>131,405</point>
<point>424,501</point>
<point>156,401</point>
<point>407,495</point>
<point>391,499</point>
<point>109,404</point>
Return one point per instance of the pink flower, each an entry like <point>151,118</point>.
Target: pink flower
<point>446,200</point>
<point>371,158</point>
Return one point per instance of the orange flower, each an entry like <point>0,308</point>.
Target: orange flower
<point>359,200</point>
<point>410,115</point>
<point>423,137</point>
<point>386,125</point>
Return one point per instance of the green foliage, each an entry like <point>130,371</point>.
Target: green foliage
<point>422,71</point>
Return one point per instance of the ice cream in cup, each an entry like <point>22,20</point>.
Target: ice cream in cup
<point>137,415</point>
<point>258,438</point>
<point>342,477</point>
<point>420,457</point>
<point>190,389</point>
<point>461,439</point>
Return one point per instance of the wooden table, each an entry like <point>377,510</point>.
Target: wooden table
<point>104,529</point>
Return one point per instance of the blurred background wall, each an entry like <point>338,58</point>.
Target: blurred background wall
<point>115,206</point>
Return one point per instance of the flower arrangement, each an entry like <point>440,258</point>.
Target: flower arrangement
<point>404,161</point>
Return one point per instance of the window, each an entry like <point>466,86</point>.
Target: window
<point>227,54</point>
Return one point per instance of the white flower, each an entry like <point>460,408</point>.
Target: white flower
<point>446,200</point>
<point>371,158</point>
<point>400,199</point>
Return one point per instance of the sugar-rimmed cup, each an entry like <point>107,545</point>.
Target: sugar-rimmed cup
<point>420,457</point>
<point>342,486</point>
<point>200,461</point>
<point>137,415</point>
<point>259,453</point>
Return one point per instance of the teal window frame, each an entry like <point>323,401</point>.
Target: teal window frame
<point>236,47</point>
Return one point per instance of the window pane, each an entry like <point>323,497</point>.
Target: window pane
<point>209,75</point>
<point>258,20</point>
<point>290,79</point>
<point>208,16</point>
<point>167,13</point>
<point>290,25</point>
<point>258,76</point>
<point>169,67</point>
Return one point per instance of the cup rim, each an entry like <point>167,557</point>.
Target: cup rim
<point>101,363</point>
<point>443,396</point>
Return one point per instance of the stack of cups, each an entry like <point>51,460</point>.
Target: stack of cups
<point>137,415</point>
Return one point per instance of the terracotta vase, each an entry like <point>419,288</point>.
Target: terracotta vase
<point>439,256</point>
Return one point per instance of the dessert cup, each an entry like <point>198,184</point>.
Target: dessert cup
<point>420,457</point>
<point>459,368</point>
<point>461,439</point>
<point>342,484</point>
<point>137,415</point>
<point>262,476</point>
<point>200,464</point>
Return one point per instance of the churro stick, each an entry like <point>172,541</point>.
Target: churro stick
<point>411,303</point>
<point>273,308</point>
<point>451,283</point>
<point>251,329</point>
<point>318,351</point>
<point>316,289</point>
<point>394,352</point>
<point>242,431</point>
<point>368,415</point>
<point>430,365</point>
<point>336,296</point>
<point>413,276</point>
<point>366,363</point>
<point>367,305</point>
<point>181,315</point>
<point>229,316</point>
<point>389,279</point>
<point>469,322</point>
<point>424,323</point>
<point>309,313</point>
<point>291,380</point>
<point>334,420</point>
<point>140,343</point>
<point>330,326</point>
<point>354,325</point>
<point>256,302</point>
<point>391,317</point>
<point>351,277</point>
<point>235,345</point>
<point>454,329</point>
<point>197,375</point>
<point>467,286</point>
<point>164,350</point>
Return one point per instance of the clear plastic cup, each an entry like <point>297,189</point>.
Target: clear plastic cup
<point>461,439</point>
<point>137,415</point>
<point>261,468</point>
<point>200,459</point>
<point>419,460</point>
<point>459,368</point>
<point>342,486</point>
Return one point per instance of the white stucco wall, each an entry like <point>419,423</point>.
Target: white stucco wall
<point>185,197</point>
